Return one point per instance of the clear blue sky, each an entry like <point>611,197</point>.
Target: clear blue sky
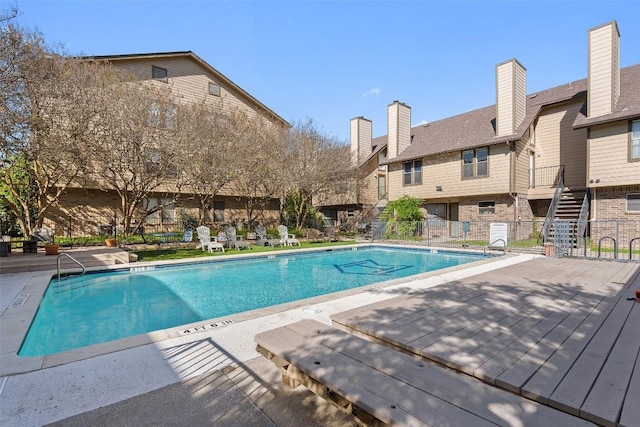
<point>332,61</point>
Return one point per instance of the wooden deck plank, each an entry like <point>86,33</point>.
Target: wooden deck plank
<point>604,402</point>
<point>464,343</point>
<point>430,393</point>
<point>476,318</point>
<point>629,416</point>
<point>390,400</point>
<point>501,361</point>
<point>546,379</point>
<point>575,386</point>
<point>517,375</point>
<point>462,391</point>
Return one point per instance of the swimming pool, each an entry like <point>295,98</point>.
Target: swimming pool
<point>104,306</point>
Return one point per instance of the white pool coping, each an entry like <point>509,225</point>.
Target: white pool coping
<point>41,390</point>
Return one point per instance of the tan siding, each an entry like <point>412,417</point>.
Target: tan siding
<point>511,88</point>
<point>504,106</point>
<point>399,128</point>
<point>557,143</point>
<point>609,156</point>
<point>603,57</point>
<point>392,130</point>
<point>404,127</point>
<point>446,171</point>
<point>360,139</point>
<point>520,95</point>
<point>189,81</point>
<point>522,165</point>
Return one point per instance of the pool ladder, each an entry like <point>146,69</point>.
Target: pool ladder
<point>84,270</point>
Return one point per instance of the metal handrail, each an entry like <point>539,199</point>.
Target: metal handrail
<point>496,241</point>
<point>84,270</point>
<point>584,215</point>
<point>553,207</point>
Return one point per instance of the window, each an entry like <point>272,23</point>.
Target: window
<point>163,211</point>
<point>475,163</point>
<point>486,208</point>
<point>382,187</point>
<point>214,89</point>
<point>153,160</point>
<point>412,173</point>
<point>171,117</point>
<point>160,74</point>
<point>633,202</point>
<point>163,117</point>
<point>635,140</point>
<point>218,211</point>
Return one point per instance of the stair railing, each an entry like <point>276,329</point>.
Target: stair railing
<point>584,216</point>
<point>553,206</point>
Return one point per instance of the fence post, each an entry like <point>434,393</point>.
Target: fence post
<point>615,245</point>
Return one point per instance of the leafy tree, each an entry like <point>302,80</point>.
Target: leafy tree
<point>406,208</point>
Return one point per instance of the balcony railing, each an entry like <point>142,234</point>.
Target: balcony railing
<point>547,176</point>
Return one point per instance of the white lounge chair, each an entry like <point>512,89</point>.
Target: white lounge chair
<point>263,240</point>
<point>233,239</point>
<point>206,241</point>
<point>287,239</point>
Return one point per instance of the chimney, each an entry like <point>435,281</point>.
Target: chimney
<point>604,69</point>
<point>511,96</point>
<point>360,140</point>
<point>398,128</point>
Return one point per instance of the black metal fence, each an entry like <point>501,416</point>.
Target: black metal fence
<point>94,229</point>
<point>615,240</point>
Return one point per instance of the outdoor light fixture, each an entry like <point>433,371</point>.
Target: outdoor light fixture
<point>438,188</point>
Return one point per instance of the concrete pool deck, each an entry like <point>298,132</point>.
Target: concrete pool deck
<point>172,368</point>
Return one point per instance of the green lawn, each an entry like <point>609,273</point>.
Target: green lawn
<point>161,254</point>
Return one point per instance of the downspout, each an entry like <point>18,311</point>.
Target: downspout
<point>512,185</point>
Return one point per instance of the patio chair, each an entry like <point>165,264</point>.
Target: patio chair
<point>187,236</point>
<point>206,241</point>
<point>314,235</point>
<point>287,239</point>
<point>263,240</point>
<point>234,240</point>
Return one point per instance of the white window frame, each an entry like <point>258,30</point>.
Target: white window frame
<point>489,209</point>
<point>473,165</point>
<point>636,197</point>
<point>634,141</point>
<point>412,173</point>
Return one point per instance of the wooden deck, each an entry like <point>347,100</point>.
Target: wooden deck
<point>380,386</point>
<point>557,331</point>
<point>99,256</point>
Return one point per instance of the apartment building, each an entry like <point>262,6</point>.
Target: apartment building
<point>511,160</point>
<point>87,209</point>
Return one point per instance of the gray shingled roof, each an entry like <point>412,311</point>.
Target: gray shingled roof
<point>477,128</point>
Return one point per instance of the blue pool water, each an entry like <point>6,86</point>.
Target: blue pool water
<point>105,306</point>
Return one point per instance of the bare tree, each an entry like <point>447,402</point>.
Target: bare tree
<point>46,122</point>
<point>261,176</point>
<point>318,166</point>
<point>135,151</point>
<point>209,161</point>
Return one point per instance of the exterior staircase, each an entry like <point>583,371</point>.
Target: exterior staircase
<point>568,209</point>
